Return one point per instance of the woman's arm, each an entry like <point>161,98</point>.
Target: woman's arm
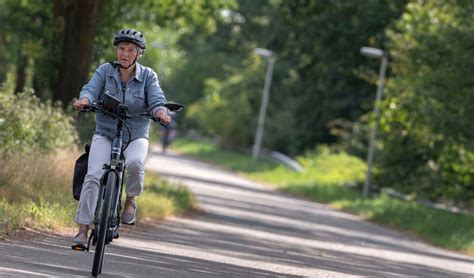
<point>154,95</point>
<point>94,87</point>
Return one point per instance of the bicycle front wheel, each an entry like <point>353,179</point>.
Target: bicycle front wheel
<point>103,226</point>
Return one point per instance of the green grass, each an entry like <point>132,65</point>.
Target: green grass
<point>37,194</point>
<point>324,180</point>
<point>161,199</point>
<point>232,160</point>
<point>43,212</point>
<point>442,228</point>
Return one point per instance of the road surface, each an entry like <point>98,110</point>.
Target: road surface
<point>243,229</point>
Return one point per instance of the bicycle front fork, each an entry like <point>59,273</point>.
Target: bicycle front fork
<point>114,220</point>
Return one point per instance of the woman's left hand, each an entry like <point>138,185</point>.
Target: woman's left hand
<point>163,116</point>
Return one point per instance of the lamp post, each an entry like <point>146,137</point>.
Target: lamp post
<point>380,54</point>
<point>263,105</point>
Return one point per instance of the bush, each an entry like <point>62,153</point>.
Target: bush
<point>228,110</point>
<point>333,167</point>
<point>27,124</point>
<point>426,139</point>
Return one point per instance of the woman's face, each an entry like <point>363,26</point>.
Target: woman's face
<point>126,53</point>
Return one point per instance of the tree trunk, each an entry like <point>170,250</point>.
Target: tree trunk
<point>38,87</point>
<point>20,74</point>
<point>3,61</point>
<point>82,18</point>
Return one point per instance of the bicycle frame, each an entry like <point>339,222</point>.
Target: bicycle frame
<point>109,193</point>
<point>116,166</point>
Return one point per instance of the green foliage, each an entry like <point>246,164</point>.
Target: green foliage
<point>337,167</point>
<point>228,109</point>
<point>427,133</point>
<point>206,55</point>
<point>187,83</point>
<point>219,67</point>
<point>27,124</point>
<point>314,72</point>
<point>322,61</point>
<point>27,27</point>
<point>35,33</point>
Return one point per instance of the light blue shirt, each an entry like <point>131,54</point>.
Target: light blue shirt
<point>142,94</point>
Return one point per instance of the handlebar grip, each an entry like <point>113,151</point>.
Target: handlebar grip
<point>89,107</point>
<point>158,120</point>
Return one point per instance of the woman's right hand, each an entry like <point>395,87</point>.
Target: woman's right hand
<point>80,103</point>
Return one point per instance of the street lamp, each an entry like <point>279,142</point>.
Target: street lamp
<point>380,54</point>
<point>263,105</point>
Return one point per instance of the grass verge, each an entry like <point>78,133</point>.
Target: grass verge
<point>325,180</point>
<point>161,199</point>
<point>36,193</point>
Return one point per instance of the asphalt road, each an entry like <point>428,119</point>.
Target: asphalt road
<point>243,229</point>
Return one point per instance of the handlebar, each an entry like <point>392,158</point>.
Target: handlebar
<point>120,112</point>
<point>153,118</point>
<point>93,107</point>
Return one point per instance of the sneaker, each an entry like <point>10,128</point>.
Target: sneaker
<point>129,212</point>
<point>80,242</point>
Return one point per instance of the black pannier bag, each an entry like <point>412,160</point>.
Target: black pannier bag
<point>80,171</point>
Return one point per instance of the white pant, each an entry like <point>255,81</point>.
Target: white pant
<point>135,156</point>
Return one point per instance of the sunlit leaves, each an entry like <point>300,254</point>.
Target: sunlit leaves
<point>431,49</point>
<point>26,125</point>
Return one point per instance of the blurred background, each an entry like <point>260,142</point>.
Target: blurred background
<point>322,88</point>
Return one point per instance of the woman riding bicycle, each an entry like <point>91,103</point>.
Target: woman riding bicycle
<point>137,87</point>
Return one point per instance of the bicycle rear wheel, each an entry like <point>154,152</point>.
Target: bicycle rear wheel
<point>103,227</point>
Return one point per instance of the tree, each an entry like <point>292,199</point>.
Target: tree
<point>427,130</point>
<point>316,77</point>
<point>81,21</point>
<point>56,39</point>
<point>322,50</point>
<point>24,32</point>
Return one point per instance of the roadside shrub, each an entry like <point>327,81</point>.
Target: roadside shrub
<point>426,135</point>
<point>27,124</point>
<point>227,110</point>
<point>333,167</point>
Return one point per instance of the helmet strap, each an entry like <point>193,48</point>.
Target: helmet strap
<point>134,61</point>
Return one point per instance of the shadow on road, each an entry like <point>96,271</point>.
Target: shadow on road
<point>254,223</point>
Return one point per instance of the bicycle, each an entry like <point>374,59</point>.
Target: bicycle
<point>109,204</point>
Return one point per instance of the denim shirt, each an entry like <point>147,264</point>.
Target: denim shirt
<point>142,94</point>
